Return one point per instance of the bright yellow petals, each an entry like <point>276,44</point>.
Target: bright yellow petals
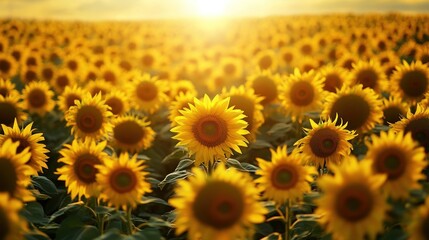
<point>12,227</point>
<point>81,159</point>
<point>131,134</point>
<point>284,177</point>
<point>89,118</point>
<point>351,205</point>
<point>69,96</point>
<point>180,102</point>
<point>223,205</point>
<point>7,88</point>
<point>38,98</point>
<point>30,140</point>
<point>123,181</point>
<point>410,81</point>
<point>210,129</point>
<point>147,93</point>
<point>369,74</point>
<point>118,102</point>
<point>326,142</point>
<point>398,156</point>
<point>334,77</point>
<point>8,66</point>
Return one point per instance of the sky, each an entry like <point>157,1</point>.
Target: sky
<point>156,9</point>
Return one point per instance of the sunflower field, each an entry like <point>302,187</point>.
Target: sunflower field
<point>294,127</point>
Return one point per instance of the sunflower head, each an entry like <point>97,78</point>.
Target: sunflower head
<point>223,205</point>
<point>38,98</point>
<point>180,102</point>
<point>123,181</point>
<point>410,81</point>
<point>11,108</point>
<point>210,129</point>
<point>334,77</point>
<point>147,93</point>
<point>265,85</point>
<point>369,74</point>
<point>8,65</point>
<point>62,79</point>
<point>69,96</point>
<point>393,110</point>
<point>12,225</point>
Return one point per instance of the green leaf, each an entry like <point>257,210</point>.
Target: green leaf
<point>34,213</point>
<point>184,164</point>
<point>173,177</point>
<point>69,207</point>
<point>279,129</point>
<point>260,144</point>
<point>113,234</point>
<point>44,185</point>
<point>36,236</point>
<point>146,234</point>
<point>174,156</point>
<point>273,236</point>
<point>150,199</point>
<point>73,228</point>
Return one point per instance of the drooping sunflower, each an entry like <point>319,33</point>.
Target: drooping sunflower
<point>38,98</point>
<point>13,227</point>
<point>265,84</point>
<point>360,108</point>
<point>223,205</point>
<point>246,100</point>
<point>180,102</point>
<point>7,88</point>
<point>131,133</point>
<point>418,227</point>
<point>284,177</point>
<point>79,172</point>
<point>334,77</point>
<point>369,74</point>
<point>27,138</point>
<point>393,110</point>
<point>11,107</point>
<point>123,181</point>
<point>147,93</point>
<point>210,129</point>
<point>89,117</point>
<point>326,142</point>
<point>118,102</point>
<point>351,206</point>
<point>301,93</point>
<point>418,124</point>
<point>69,96</point>
<point>398,156</point>
<point>14,173</point>
<point>410,82</point>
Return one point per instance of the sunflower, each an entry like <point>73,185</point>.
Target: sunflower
<point>147,93</point>
<point>369,74</point>
<point>61,79</point>
<point>182,86</point>
<point>398,156</point>
<point>12,227</point>
<point>419,225</point>
<point>29,74</point>
<point>232,68</point>
<point>123,181</point>
<point>284,177</point>
<point>265,85</point>
<point>118,102</point>
<point>8,66</point>
<point>287,56</point>
<point>393,110</point>
<point>7,88</point>
<point>210,129</point>
<point>360,108</point>
<point>351,206</point>
<point>418,124</point>
<point>410,81</point>
<point>347,61</point>
<point>79,172</point>
<point>422,55</point>
<point>131,133</point>
<point>89,117</point>
<point>11,107</point>
<point>69,96</point>
<point>98,86</point>
<point>150,59</point>
<point>223,205</point>
<point>111,73</point>
<point>301,93</point>
<point>266,60</point>
<point>74,62</point>
<point>180,102</point>
<point>47,72</point>
<point>27,138</point>
<point>14,173</point>
<point>38,98</point>
<point>334,77</point>
<point>326,142</point>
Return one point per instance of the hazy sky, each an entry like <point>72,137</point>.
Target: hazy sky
<point>137,9</point>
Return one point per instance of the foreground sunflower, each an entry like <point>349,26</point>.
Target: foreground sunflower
<point>11,108</point>
<point>360,108</point>
<point>89,118</point>
<point>418,124</point>
<point>326,142</point>
<point>123,181</point>
<point>223,205</point>
<point>351,206</point>
<point>410,81</point>
<point>210,129</point>
<point>12,227</point>
<point>79,172</point>
<point>398,156</point>
<point>246,100</point>
<point>284,177</point>
<point>38,98</point>
<point>418,227</point>
<point>14,173</point>
<point>131,133</point>
<point>301,93</point>
<point>27,138</point>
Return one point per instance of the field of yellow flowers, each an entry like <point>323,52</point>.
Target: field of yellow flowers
<point>299,127</point>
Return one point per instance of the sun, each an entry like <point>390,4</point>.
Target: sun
<point>211,8</point>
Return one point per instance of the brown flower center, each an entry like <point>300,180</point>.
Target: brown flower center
<point>367,77</point>
<point>284,177</point>
<point>4,92</point>
<point>246,105</point>
<point>37,98</point>
<point>302,93</point>
<point>109,76</point>
<point>265,87</point>
<point>210,130</point>
<point>348,64</point>
<point>229,69</point>
<point>354,202</point>
<point>116,105</point>
<point>89,119</point>
<point>414,83</point>
<point>71,98</point>
<point>352,109</point>
<point>332,82</point>
<point>425,59</point>
<point>5,224</point>
<point>147,91</point>
<point>5,66</point>
<point>219,205</point>
<point>306,49</point>
<point>424,228</point>
<point>62,81</point>
<point>72,65</point>
<point>123,180</point>
<point>8,113</point>
<point>47,74</point>
<point>287,57</point>
<point>9,178</point>
<point>148,60</point>
<point>392,162</point>
<point>324,142</point>
<point>30,76</point>
<point>392,114</point>
<point>419,129</point>
<point>265,62</point>
<point>85,169</point>
<point>128,132</point>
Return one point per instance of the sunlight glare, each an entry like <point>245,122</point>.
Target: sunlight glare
<point>211,8</point>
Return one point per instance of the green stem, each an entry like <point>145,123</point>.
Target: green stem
<point>129,222</point>
<point>288,220</point>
